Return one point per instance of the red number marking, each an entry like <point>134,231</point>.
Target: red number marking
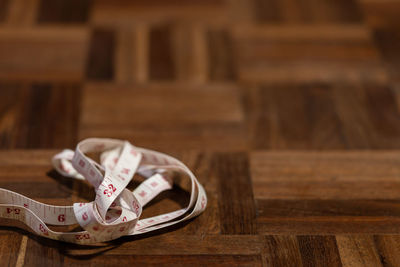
<point>61,217</point>
<point>82,236</point>
<point>135,206</point>
<point>99,147</point>
<point>82,163</point>
<point>111,189</point>
<point>203,202</point>
<point>11,210</point>
<point>43,230</point>
<point>85,216</point>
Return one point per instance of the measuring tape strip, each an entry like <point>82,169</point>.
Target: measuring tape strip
<point>116,211</point>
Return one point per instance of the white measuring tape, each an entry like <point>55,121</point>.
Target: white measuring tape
<point>116,211</point>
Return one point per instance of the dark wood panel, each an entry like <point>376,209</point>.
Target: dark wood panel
<point>63,11</point>
<point>133,112</point>
<point>319,116</point>
<point>282,250</point>
<point>327,216</point>
<point>294,117</point>
<point>162,64</point>
<point>163,260</point>
<point>50,252</point>
<point>9,247</point>
<point>319,251</point>
<point>388,40</point>
<point>236,203</point>
<point>41,115</point>
<point>100,65</point>
<point>310,11</point>
<point>327,208</point>
<point>3,9</point>
<point>222,66</point>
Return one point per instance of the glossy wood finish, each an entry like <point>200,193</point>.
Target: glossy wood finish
<point>287,111</point>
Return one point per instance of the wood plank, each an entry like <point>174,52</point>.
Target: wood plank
<point>3,9</point>
<point>282,251</point>
<point>184,245</point>
<point>327,216</point>
<point>24,53</point>
<point>329,175</point>
<point>293,117</point>
<point>52,111</point>
<point>279,55</point>
<point>162,64</point>
<point>312,246</point>
<point>381,14</point>
<point>9,247</point>
<point>328,208</point>
<point>322,116</point>
<point>388,248</point>
<point>35,160</point>
<point>236,203</point>
<point>388,40</point>
<point>202,165</point>
<point>180,125</point>
<point>100,64</point>
<point>123,12</point>
<point>310,11</point>
<point>167,260</point>
<point>62,11</point>
<point>221,57</point>
<point>21,13</point>
<point>131,54</point>
<point>49,248</point>
<point>357,250</point>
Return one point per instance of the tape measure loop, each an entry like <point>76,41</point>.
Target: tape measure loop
<point>115,211</point>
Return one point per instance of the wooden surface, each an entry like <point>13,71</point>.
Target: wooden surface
<point>287,111</point>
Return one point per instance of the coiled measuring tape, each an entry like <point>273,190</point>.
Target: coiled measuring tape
<point>116,211</point>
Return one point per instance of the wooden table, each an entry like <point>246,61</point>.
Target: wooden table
<point>287,112</point>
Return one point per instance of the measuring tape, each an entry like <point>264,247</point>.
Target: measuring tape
<point>116,211</point>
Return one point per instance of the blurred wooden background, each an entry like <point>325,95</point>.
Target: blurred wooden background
<point>286,110</point>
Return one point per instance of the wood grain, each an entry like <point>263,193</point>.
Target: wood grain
<point>43,54</point>
<point>287,111</point>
